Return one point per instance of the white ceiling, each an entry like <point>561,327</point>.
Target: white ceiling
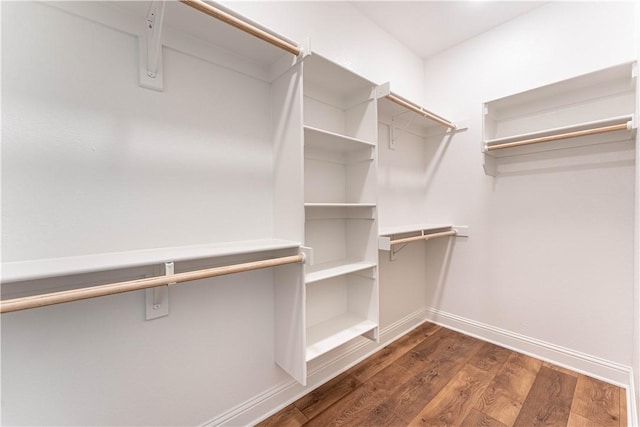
<point>427,27</point>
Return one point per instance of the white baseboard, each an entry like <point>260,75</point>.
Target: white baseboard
<point>611,372</point>
<point>271,401</point>
<point>274,399</point>
<point>633,418</point>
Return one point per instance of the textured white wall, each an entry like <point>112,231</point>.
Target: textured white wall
<point>551,253</point>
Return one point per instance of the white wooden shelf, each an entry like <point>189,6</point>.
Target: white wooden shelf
<point>327,270</point>
<point>55,267</point>
<point>603,138</point>
<point>334,332</point>
<point>335,211</point>
<point>339,205</point>
<point>407,115</point>
<point>320,72</point>
<point>327,140</point>
<point>412,228</point>
<point>594,108</point>
<point>386,235</point>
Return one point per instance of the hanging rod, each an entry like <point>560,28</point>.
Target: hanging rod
<point>409,105</point>
<point>575,134</point>
<point>424,237</point>
<point>135,285</point>
<point>242,25</point>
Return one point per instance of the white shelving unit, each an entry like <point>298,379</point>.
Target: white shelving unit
<point>594,108</point>
<point>341,286</point>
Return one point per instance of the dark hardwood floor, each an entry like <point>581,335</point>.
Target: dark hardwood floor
<point>434,376</point>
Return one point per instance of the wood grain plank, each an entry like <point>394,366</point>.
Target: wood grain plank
<point>389,354</point>
<point>445,343</point>
<point>561,369</point>
<point>507,392</point>
<point>517,376</point>
<point>623,407</point>
<point>441,366</point>
<point>361,402</point>
<point>549,400</point>
<point>496,405</point>
<point>490,357</point>
<point>409,399</point>
<point>326,395</point>
<point>478,419</point>
<point>597,401</point>
<point>577,420</point>
<point>456,400</point>
<point>287,417</point>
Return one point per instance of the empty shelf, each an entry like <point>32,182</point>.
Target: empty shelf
<point>332,333</point>
<point>53,267</point>
<point>323,139</point>
<point>328,270</point>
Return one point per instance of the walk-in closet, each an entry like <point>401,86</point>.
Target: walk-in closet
<point>320,213</point>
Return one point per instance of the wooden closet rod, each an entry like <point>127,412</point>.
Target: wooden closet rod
<point>575,134</point>
<point>135,285</point>
<point>424,237</point>
<point>242,25</point>
<point>400,101</point>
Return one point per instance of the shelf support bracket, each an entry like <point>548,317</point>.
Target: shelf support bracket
<point>157,299</point>
<point>394,252</point>
<point>151,76</point>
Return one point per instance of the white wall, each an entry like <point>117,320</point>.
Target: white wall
<point>551,251</point>
<point>92,162</point>
<point>340,32</point>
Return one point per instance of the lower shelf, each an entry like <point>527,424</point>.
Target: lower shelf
<point>332,333</point>
<point>328,270</point>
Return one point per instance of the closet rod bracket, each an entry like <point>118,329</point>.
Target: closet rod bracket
<point>150,48</point>
<point>157,299</point>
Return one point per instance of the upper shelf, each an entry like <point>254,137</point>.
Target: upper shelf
<point>54,267</point>
<point>328,76</point>
<point>411,116</point>
<point>594,108</point>
<point>412,228</point>
<point>598,131</point>
<point>389,236</point>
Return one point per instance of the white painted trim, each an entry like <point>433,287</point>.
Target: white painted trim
<point>276,398</point>
<point>632,408</point>
<point>610,372</point>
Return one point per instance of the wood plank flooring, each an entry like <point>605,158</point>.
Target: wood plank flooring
<point>434,376</point>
